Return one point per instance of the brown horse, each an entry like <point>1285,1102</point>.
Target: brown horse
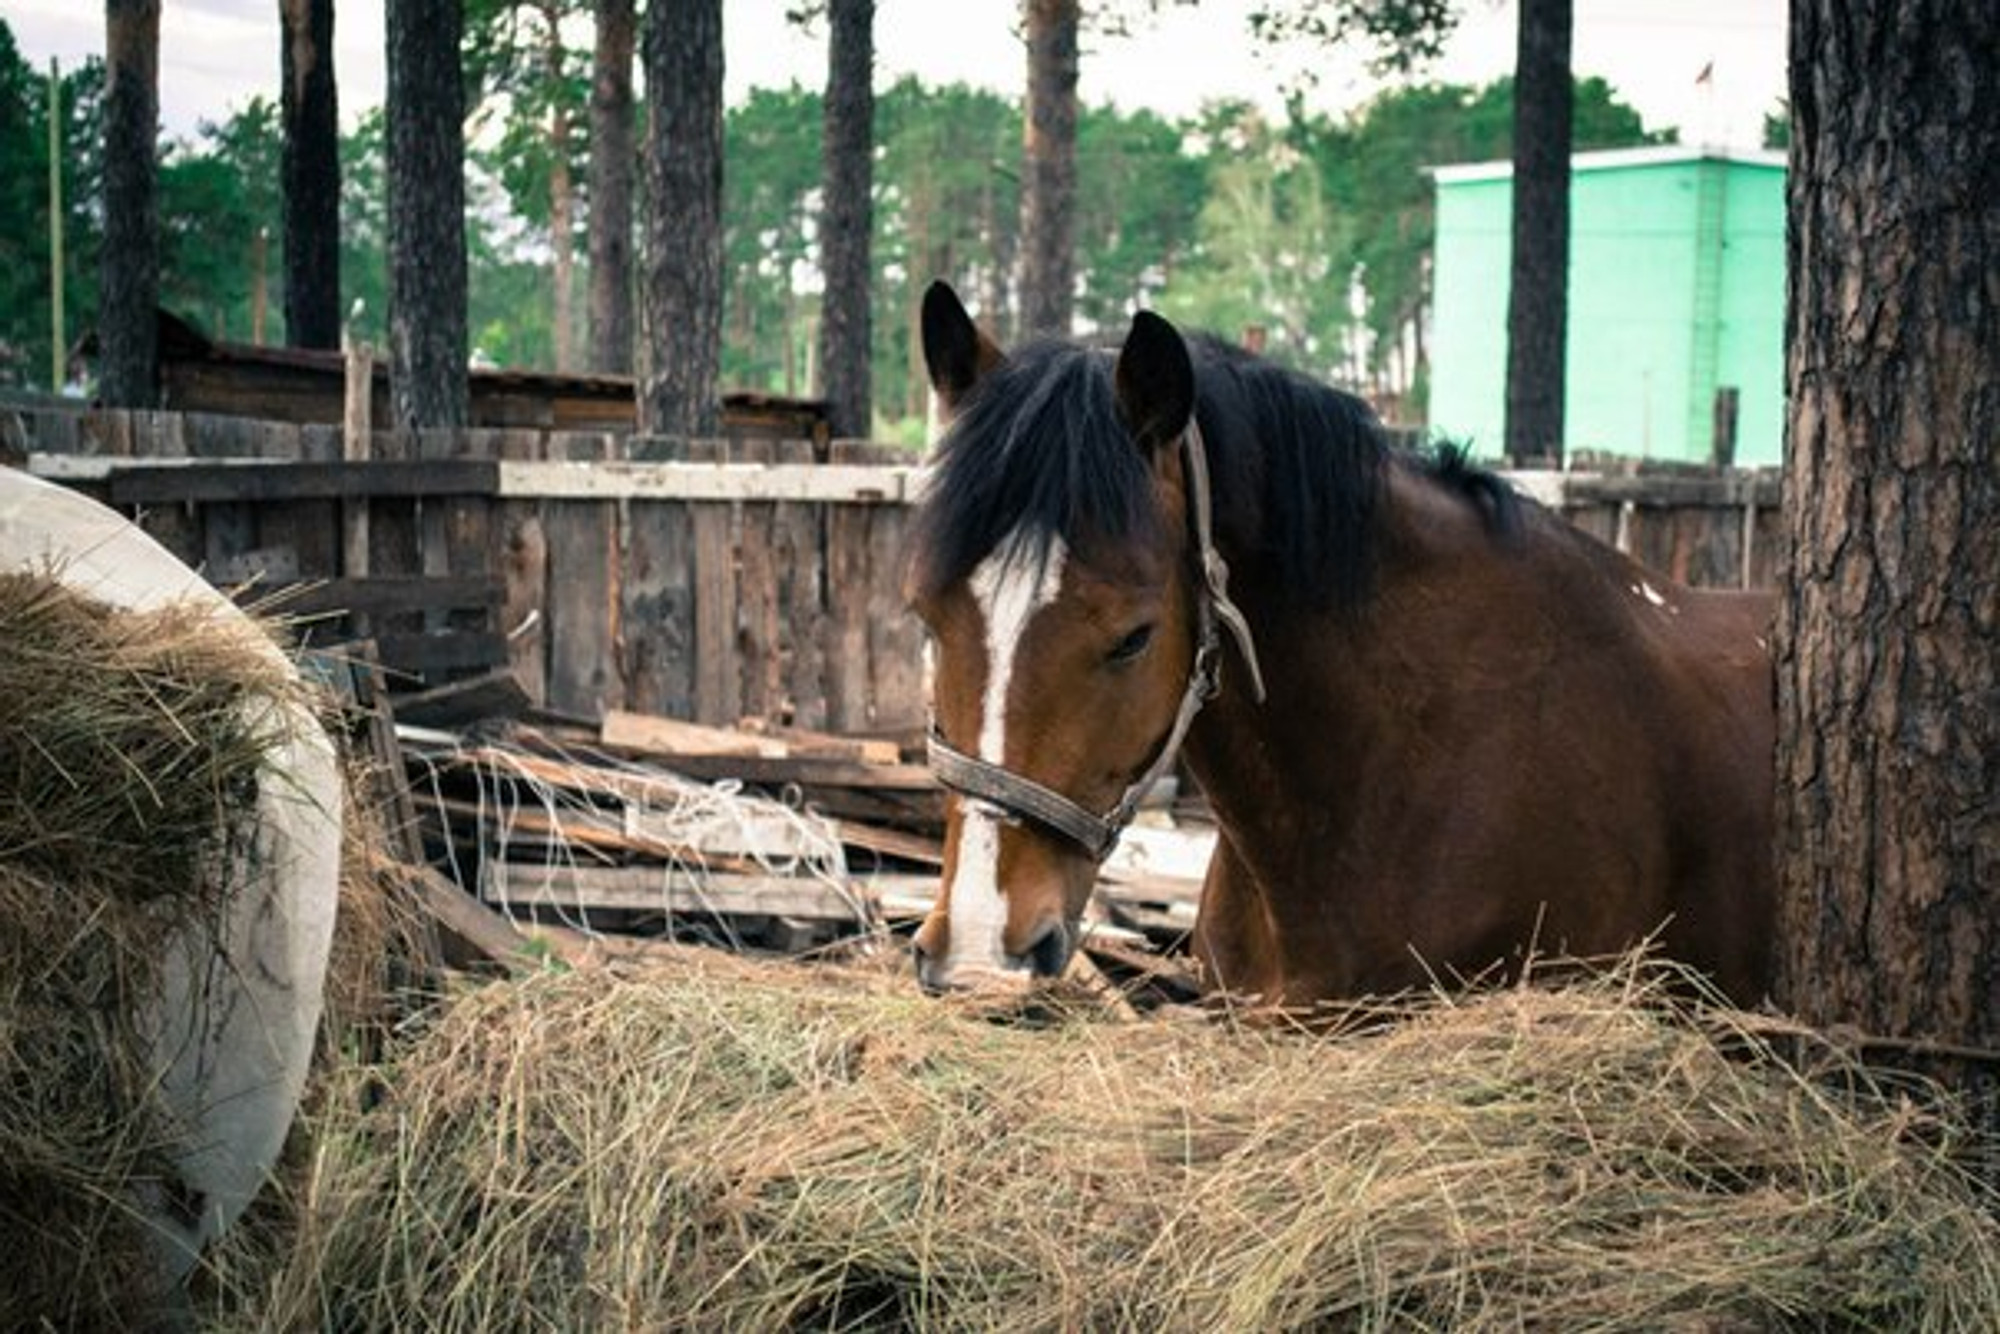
<point>1444,728</point>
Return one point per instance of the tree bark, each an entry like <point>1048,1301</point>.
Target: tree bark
<point>1048,175</point>
<point>128,335</point>
<point>682,55</point>
<point>611,159</point>
<point>562,194</point>
<point>311,175</point>
<point>1538,295</point>
<point>426,180</point>
<point>1888,636</point>
<point>845,333</point>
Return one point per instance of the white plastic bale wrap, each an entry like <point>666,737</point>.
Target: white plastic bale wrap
<point>235,1027</point>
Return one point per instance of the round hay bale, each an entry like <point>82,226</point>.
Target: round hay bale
<point>169,852</point>
<point>728,1146</point>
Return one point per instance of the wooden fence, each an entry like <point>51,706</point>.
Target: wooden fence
<point>708,580</point>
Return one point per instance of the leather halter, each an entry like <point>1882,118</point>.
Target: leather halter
<point>1021,798</point>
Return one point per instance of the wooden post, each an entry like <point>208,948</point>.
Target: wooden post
<point>1749,543</point>
<point>357,445</point>
<point>258,300</point>
<point>1722,441</point>
<point>58,354</point>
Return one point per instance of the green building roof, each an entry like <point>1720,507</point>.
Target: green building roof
<point>1676,291</point>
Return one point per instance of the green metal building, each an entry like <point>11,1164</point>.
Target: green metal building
<point>1676,291</point>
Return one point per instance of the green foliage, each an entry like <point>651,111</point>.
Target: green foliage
<point>1139,197</point>
<point>220,220</point>
<point>521,71</point>
<point>947,205</point>
<point>1317,229</point>
<point>364,228</point>
<point>1271,250</point>
<point>25,325</point>
<point>772,143</point>
<point>1402,35</point>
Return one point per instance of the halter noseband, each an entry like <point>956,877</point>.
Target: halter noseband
<point>1023,798</point>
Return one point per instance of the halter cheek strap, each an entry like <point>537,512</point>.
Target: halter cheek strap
<point>1020,797</point>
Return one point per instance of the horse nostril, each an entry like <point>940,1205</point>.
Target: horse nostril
<point>926,975</point>
<point>1048,954</point>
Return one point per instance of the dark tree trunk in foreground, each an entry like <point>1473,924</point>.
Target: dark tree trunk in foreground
<point>311,170</point>
<point>129,285</point>
<point>1538,295</point>
<point>682,52</point>
<point>611,162</point>
<point>426,151</point>
<point>845,333</point>
<point>1888,638</point>
<point>1048,168</point>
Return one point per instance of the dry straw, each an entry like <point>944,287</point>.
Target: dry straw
<point>725,1145</point>
<point>128,763</point>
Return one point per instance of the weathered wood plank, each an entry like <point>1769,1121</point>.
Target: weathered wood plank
<point>656,655</point>
<point>491,694</point>
<point>519,551</point>
<point>582,603</point>
<point>670,890</point>
<point>896,637</point>
<point>798,537</point>
<point>254,480</point>
<point>849,692</point>
<point>381,594</point>
<point>743,478</point>
<point>421,659</point>
<point>718,688</point>
<point>759,638</point>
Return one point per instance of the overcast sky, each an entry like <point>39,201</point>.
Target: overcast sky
<point>216,54</point>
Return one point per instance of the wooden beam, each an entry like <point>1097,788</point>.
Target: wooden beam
<point>381,595</point>
<point>727,845</point>
<point>808,771</point>
<point>447,650</point>
<point>670,890</point>
<point>674,738</point>
<point>466,921</point>
<point>838,483</point>
<point>169,482</point>
<point>671,738</point>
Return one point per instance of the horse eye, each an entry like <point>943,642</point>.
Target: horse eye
<point>1132,645</point>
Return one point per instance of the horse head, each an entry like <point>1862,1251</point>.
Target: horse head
<point>1052,569</point>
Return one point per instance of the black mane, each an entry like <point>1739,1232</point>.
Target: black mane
<point>1298,469</point>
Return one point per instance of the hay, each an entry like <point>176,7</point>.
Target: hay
<point>727,1146</point>
<point>127,766</point>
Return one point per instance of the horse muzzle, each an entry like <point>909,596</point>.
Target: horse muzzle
<point>1047,956</point>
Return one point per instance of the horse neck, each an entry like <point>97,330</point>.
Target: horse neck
<point>1342,684</point>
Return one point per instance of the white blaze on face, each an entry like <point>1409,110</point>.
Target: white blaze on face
<point>1010,586</point>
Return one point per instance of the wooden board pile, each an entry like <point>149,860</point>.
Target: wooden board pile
<point>754,835</point>
<point>653,826</point>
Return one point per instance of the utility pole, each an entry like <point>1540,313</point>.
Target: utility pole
<point>57,354</point>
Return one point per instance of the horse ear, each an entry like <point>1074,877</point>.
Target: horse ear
<point>1155,381</point>
<point>956,351</point>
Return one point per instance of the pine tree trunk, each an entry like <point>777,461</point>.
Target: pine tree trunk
<point>1048,175</point>
<point>1888,637</point>
<point>611,160</point>
<point>562,197</point>
<point>845,332</point>
<point>683,217</point>
<point>426,187</point>
<point>1538,296</point>
<point>311,172</point>
<point>129,284</point>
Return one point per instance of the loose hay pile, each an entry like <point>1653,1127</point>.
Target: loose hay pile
<point>127,764</point>
<point>724,1146</point>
